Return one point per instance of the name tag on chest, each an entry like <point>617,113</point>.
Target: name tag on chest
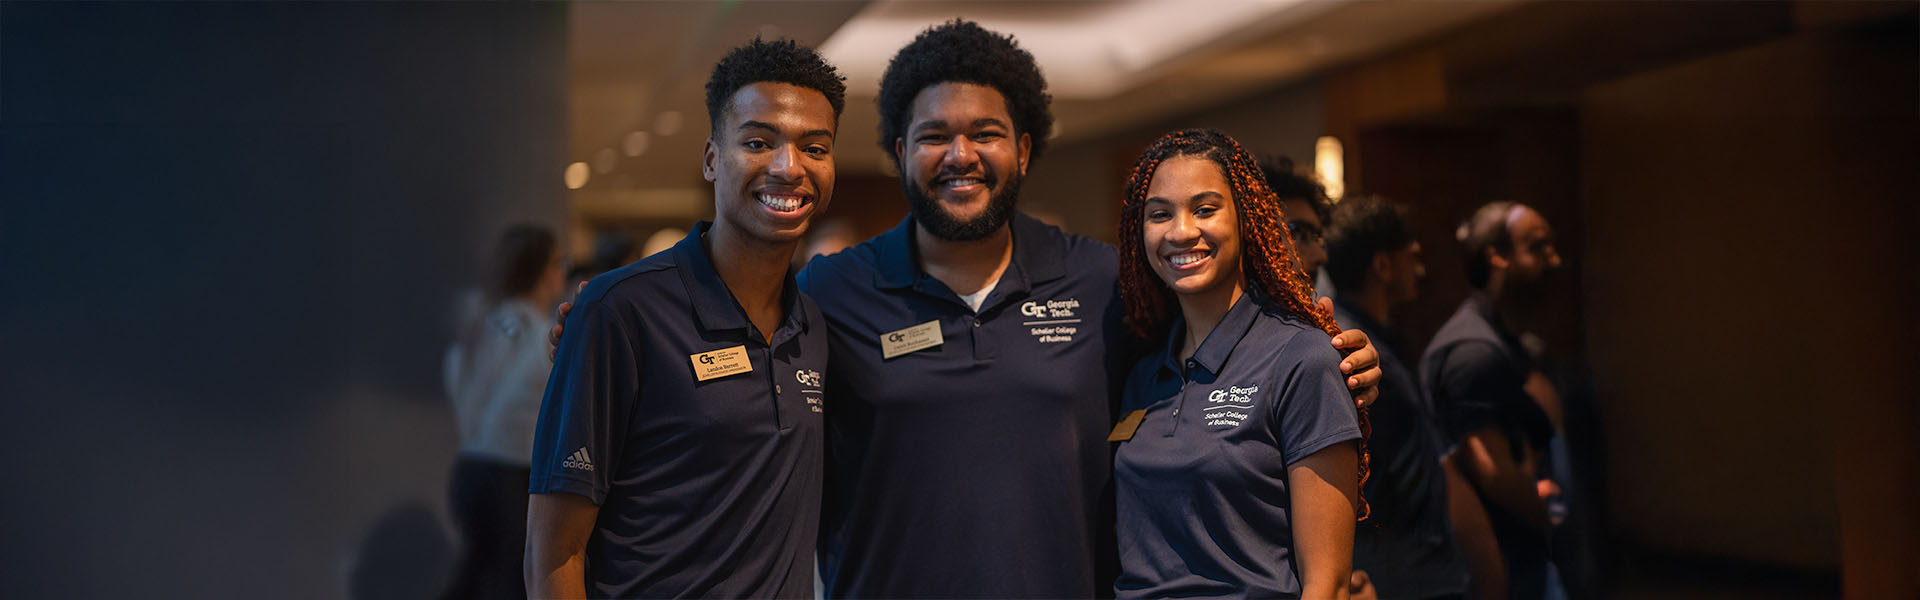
<point>912,339</point>
<point>721,363</point>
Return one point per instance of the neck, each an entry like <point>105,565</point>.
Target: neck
<point>1203,312</point>
<point>965,267</point>
<point>1373,301</point>
<point>1502,303</point>
<point>755,271</point>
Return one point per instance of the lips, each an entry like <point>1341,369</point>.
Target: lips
<point>963,185</point>
<point>782,202</point>
<point>1187,260</point>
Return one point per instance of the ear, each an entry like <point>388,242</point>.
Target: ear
<point>1026,151</point>
<point>708,158</point>
<point>1495,259</point>
<point>899,154</point>
<point>1381,267</point>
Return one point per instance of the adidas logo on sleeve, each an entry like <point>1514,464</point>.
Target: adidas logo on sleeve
<point>578,460</point>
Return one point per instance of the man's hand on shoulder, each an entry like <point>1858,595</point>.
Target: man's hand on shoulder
<point>1359,362</point>
<point>560,323</point>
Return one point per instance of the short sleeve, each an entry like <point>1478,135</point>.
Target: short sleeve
<point>1314,410</point>
<point>589,400</point>
<point>1475,388</point>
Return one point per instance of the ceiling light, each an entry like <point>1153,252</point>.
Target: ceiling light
<point>577,175</point>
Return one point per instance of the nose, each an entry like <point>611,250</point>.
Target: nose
<point>960,155</point>
<point>785,164</point>
<point>1184,230</point>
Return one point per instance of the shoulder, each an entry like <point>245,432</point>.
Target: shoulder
<point>639,283</point>
<point>858,262</point>
<point>1083,256</point>
<point>1293,340</point>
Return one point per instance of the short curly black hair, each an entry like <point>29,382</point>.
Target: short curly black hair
<point>783,61</point>
<point>1364,225</point>
<point>1288,185</point>
<point>964,52</point>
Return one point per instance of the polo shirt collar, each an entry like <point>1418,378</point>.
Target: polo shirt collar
<point>713,304</point>
<point>1037,255</point>
<point>1219,344</point>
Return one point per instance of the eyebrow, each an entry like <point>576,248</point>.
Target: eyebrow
<point>941,124</point>
<point>1200,196</point>
<point>769,127</point>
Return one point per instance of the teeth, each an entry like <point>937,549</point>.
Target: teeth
<point>780,203</point>
<point>961,182</point>
<point>1181,260</point>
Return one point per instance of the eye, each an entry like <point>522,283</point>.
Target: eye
<point>757,145</point>
<point>933,138</point>
<point>1205,211</point>
<point>987,136</point>
<point>816,150</point>
<point>1157,215</point>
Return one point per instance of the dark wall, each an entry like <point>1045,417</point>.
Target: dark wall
<point>231,237</point>
<point>1751,286</point>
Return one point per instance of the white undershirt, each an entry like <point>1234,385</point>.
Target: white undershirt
<point>977,298</point>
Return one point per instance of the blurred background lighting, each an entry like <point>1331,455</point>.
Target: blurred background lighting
<point>577,175</point>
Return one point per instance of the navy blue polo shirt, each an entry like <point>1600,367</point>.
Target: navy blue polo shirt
<point>1406,545</point>
<point>1476,373</point>
<point>706,488</point>
<point>1202,485</point>
<point>973,468</point>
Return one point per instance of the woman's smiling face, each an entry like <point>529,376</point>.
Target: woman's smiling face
<point>1190,230</point>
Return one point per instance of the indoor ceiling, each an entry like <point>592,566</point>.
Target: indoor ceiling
<point>638,70</point>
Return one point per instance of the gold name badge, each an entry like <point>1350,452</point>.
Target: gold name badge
<point>1124,431</point>
<point>912,339</point>
<point>721,363</point>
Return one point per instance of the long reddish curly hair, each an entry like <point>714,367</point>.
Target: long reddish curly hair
<point>1268,261</point>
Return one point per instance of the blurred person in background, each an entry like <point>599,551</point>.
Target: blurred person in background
<point>496,373</point>
<point>680,446</point>
<point>1252,492</point>
<point>1308,209</point>
<point>827,237</point>
<point>1408,548</point>
<point>1493,405</point>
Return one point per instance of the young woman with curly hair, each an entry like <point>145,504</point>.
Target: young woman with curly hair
<point>1238,471</point>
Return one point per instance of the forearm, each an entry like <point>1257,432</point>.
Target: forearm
<point>550,576</point>
<point>1506,483</point>
<point>558,526</point>
<point>1324,489</point>
<point>1473,535</point>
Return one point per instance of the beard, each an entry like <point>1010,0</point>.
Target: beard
<point>942,224</point>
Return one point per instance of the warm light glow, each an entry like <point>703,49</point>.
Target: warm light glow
<point>604,161</point>
<point>669,122</point>
<point>637,143</point>
<point>662,240</point>
<point>1330,166</point>
<point>577,175</point>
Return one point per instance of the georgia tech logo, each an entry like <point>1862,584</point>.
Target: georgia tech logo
<point>807,377</point>
<point>896,337</point>
<point>706,359</point>
<point>1051,309</point>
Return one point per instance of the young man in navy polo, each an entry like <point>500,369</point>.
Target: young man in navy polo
<point>1478,376</point>
<point>680,445</point>
<point>976,353</point>
<point>1407,545</point>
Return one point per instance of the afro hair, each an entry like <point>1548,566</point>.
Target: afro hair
<point>1364,225</point>
<point>1288,185</point>
<point>964,52</point>
<point>783,61</point>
